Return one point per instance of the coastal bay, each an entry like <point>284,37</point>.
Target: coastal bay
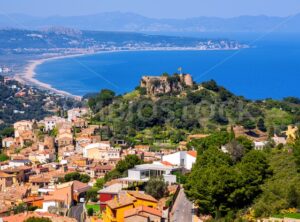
<point>256,73</point>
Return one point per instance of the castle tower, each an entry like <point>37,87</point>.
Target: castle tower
<point>188,80</point>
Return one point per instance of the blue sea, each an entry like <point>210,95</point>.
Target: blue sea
<point>269,69</point>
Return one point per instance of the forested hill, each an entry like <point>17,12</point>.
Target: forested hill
<point>19,102</point>
<point>176,110</point>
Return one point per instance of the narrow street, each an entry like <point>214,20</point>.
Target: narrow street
<point>76,212</point>
<point>183,209</point>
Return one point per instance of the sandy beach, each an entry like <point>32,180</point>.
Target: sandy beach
<point>28,75</point>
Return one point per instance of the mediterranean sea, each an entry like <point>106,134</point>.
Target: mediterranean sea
<point>269,69</point>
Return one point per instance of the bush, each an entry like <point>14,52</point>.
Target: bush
<point>3,157</point>
<point>92,194</point>
<point>90,211</point>
<point>156,187</point>
<point>37,219</point>
<point>84,178</point>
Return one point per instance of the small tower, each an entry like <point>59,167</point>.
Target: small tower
<point>188,80</point>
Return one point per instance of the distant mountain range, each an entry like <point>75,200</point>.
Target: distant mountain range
<point>117,21</point>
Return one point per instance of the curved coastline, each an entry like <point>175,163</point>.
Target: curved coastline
<point>28,75</point>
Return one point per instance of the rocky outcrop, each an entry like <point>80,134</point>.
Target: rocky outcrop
<point>165,84</point>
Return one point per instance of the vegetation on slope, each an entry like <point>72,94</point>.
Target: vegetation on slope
<point>204,108</point>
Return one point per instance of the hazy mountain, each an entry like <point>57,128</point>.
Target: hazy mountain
<point>117,21</point>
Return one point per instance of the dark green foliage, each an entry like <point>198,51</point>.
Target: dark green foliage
<point>219,186</point>
<point>180,177</point>
<point>129,162</point>
<point>199,96</point>
<point>7,132</point>
<point>84,178</point>
<point>103,99</point>
<point>204,108</point>
<point>215,140</point>
<point>19,208</point>
<point>72,176</point>
<point>248,124</point>
<point>37,219</point>
<point>261,125</point>
<point>90,212</point>
<point>296,151</point>
<point>141,90</point>
<point>122,166</point>
<point>211,85</point>
<point>99,183</point>
<point>156,187</point>
<point>37,106</point>
<point>32,208</point>
<point>293,197</point>
<point>3,157</point>
<point>92,194</point>
<point>281,191</point>
<point>245,142</point>
<point>294,100</point>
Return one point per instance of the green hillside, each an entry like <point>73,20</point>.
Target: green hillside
<point>140,117</point>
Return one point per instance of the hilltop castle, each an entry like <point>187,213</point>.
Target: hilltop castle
<point>156,85</point>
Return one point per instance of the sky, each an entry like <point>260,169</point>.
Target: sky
<point>153,8</point>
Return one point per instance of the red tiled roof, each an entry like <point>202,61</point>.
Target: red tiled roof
<point>192,153</point>
<point>166,163</point>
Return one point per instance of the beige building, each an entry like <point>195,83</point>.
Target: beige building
<point>64,139</point>
<point>22,126</point>
<point>6,180</point>
<point>101,151</point>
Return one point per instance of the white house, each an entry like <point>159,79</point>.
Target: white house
<point>279,140</point>
<point>143,172</point>
<point>42,157</point>
<point>7,142</point>
<point>18,163</point>
<point>260,145</point>
<point>184,159</point>
<point>51,122</point>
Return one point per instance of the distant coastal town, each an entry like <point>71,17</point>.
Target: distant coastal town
<point>79,45</point>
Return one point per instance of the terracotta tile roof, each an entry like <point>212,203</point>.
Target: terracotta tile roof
<point>120,201</point>
<point>142,196</point>
<point>103,167</point>
<point>24,216</point>
<point>32,198</point>
<point>78,186</point>
<point>166,163</point>
<point>40,179</point>
<point>192,153</point>
<point>141,210</point>
<point>114,181</point>
<point>5,175</point>
<point>63,194</point>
